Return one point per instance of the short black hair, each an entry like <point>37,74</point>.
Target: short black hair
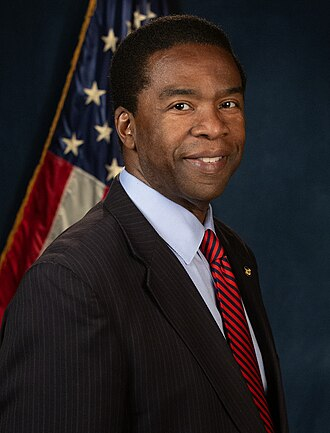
<point>128,72</point>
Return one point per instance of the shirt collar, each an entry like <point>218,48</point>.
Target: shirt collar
<point>179,228</point>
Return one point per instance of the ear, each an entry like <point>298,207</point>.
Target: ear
<point>124,121</point>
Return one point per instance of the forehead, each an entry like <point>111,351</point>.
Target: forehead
<point>186,62</point>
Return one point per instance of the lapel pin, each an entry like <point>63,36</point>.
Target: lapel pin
<point>247,271</point>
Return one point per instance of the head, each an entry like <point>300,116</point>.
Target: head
<point>179,109</point>
<point>129,69</point>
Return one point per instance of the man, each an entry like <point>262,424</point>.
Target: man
<point>117,327</point>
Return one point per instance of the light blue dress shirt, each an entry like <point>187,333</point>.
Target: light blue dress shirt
<point>183,233</point>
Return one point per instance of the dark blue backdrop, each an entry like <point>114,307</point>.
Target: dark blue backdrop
<point>278,200</point>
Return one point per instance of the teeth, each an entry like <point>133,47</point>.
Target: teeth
<point>215,159</point>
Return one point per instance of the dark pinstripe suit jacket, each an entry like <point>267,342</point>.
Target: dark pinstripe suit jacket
<point>108,334</point>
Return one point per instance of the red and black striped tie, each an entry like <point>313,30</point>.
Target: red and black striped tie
<point>235,325</point>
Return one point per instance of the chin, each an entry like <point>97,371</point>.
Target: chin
<point>211,195</point>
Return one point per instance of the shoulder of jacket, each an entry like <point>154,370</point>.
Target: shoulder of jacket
<point>97,234</point>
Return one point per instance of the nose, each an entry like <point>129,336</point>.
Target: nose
<point>210,124</point>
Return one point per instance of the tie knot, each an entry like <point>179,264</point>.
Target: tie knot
<point>211,247</point>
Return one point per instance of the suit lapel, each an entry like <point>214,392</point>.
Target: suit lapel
<point>181,304</point>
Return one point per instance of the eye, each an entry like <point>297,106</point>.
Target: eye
<point>229,104</point>
<point>181,106</point>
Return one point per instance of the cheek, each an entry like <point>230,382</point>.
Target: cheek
<point>152,155</point>
<point>238,134</point>
<point>159,143</point>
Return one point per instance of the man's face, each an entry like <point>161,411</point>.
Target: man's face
<point>187,137</point>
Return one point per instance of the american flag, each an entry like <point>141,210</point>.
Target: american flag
<point>82,153</point>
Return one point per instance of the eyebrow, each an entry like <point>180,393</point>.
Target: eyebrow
<point>176,92</point>
<point>232,90</point>
<point>172,91</point>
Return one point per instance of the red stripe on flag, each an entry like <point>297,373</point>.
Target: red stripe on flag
<point>36,222</point>
<point>106,189</point>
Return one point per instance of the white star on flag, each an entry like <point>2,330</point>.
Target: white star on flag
<point>104,132</point>
<point>110,41</point>
<point>72,144</point>
<point>113,169</point>
<point>93,94</point>
<point>138,18</point>
<point>150,14</point>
